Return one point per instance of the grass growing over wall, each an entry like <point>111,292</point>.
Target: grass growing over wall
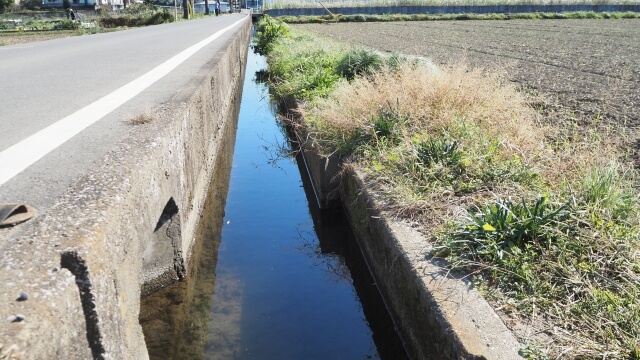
<point>549,231</point>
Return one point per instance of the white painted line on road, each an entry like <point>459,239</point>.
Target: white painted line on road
<point>20,156</point>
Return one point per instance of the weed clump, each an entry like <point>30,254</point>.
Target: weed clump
<point>140,119</point>
<point>138,15</point>
<point>358,62</point>
<point>269,30</point>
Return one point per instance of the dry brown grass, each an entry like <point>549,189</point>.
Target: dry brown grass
<point>140,119</point>
<point>432,99</point>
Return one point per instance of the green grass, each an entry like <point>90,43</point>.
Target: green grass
<point>548,236</point>
<point>305,71</point>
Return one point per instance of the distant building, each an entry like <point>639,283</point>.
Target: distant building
<point>199,7</point>
<point>252,4</point>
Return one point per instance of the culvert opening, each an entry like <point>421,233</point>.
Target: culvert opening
<point>78,267</point>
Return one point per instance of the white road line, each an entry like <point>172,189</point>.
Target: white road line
<point>20,156</point>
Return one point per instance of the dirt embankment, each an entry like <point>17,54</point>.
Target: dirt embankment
<point>588,70</point>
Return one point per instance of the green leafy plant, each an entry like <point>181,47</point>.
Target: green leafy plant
<point>358,62</point>
<point>269,30</point>
<point>504,227</point>
<point>387,125</point>
<point>530,351</point>
<point>435,151</point>
<point>607,189</point>
<point>300,69</point>
<point>67,25</point>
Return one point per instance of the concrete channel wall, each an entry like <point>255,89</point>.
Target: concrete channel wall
<point>71,282</point>
<point>437,315</point>
<point>468,9</point>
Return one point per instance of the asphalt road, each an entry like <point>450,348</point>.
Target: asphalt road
<point>45,82</point>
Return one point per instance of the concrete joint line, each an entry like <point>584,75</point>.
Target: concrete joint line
<point>77,266</point>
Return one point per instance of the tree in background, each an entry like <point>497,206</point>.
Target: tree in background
<point>66,4</point>
<point>5,5</point>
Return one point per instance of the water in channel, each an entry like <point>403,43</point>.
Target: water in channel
<point>273,276</point>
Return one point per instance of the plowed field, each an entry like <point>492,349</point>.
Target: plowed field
<point>586,69</point>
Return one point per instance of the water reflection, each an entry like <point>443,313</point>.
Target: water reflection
<point>276,277</point>
<point>336,240</point>
<point>176,320</point>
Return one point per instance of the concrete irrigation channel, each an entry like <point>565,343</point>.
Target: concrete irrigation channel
<point>71,284</point>
<point>437,315</point>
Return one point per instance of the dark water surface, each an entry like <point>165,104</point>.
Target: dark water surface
<point>274,277</point>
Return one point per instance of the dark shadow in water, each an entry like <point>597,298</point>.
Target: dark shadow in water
<point>176,320</point>
<point>335,237</point>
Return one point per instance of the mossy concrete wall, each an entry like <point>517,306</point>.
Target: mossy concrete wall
<point>71,281</point>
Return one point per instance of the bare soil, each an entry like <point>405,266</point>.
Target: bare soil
<point>586,70</point>
<point>13,38</point>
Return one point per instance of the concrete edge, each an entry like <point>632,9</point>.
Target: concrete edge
<point>437,314</point>
<point>82,265</point>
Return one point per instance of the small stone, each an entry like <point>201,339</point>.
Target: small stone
<point>23,296</point>
<point>15,318</point>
